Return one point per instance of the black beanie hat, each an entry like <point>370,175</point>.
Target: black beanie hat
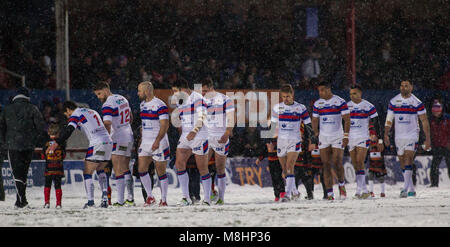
<point>24,91</point>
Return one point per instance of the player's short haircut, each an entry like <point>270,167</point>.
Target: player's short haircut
<point>69,105</point>
<point>286,88</point>
<point>101,85</point>
<point>408,80</point>
<point>147,84</point>
<point>53,129</point>
<point>324,84</point>
<point>208,82</point>
<point>356,86</point>
<point>181,83</point>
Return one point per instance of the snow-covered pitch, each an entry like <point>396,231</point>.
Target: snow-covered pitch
<point>248,205</point>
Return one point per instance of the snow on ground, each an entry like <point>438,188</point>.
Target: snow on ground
<point>248,206</point>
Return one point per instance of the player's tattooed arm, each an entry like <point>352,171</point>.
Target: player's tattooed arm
<point>375,127</point>
<point>315,125</point>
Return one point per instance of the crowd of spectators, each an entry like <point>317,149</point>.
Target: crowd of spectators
<point>125,46</point>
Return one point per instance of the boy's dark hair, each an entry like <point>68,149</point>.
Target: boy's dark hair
<point>69,105</point>
<point>181,83</point>
<point>101,85</point>
<point>356,86</point>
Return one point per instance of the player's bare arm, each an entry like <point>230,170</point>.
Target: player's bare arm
<point>108,125</point>
<point>346,119</point>
<point>162,132</point>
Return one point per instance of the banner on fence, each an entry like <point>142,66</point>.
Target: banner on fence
<point>239,170</point>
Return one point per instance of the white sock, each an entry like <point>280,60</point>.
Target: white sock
<point>362,181</point>
<point>183,178</point>
<point>120,183</point>
<point>408,174</point>
<point>147,183</point>
<point>370,185</point>
<point>206,184</point>
<point>405,180</point>
<point>382,186</point>
<point>129,183</point>
<point>89,186</point>
<point>358,183</point>
<point>222,184</point>
<point>164,186</point>
<point>290,184</point>
<point>102,180</point>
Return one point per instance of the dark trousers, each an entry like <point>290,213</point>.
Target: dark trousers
<point>276,173</point>
<point>305,175</point>
<point>438,154</point>
<point>194,183</point>
<point>2,190</point>
<point>56,179</point>
<point>20,162</point>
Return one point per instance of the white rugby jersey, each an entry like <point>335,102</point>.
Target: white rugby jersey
<point>151,113</point>
<point>289,119</point>
<point>217,108</point>
<point>117,110</point>
<point>91,124</point>
<point>189,114</point>
<point>360,115</point>
<point>405,114</point>
<point>330,113</point>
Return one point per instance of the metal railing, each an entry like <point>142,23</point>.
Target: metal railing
<point>22,77</point>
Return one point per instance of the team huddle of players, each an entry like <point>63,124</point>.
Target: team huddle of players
<point>207,121</point>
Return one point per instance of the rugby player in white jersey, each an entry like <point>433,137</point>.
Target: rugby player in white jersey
<point>192,110</point>
<point>328,111</point>
<point>117,116</point>
<point>99,151</point>
<point>155,143</point>
<point>404,111</point>
<point>220,123</point>
<point>362,115</point>
<point>288,116</point>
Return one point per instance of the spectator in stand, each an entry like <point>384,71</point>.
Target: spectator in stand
<point>85,75</point>
<point>267,80</point>
<point>440,140</point>
<point>311,67</point>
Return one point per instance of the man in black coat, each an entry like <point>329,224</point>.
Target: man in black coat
<point>2,158</point>
<point>21,130</point>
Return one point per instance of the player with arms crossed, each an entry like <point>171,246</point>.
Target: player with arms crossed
<point>288,115</point>
<point>405,110</point>
<point>117,117</point>
<point>154,142</point>
<point>362,115</point>
<point>330,110</point>
<point>194,139</point>
<point>220,123</point>
<point>99,151</point>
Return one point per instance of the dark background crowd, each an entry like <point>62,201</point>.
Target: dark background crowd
<point>127,44</point>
